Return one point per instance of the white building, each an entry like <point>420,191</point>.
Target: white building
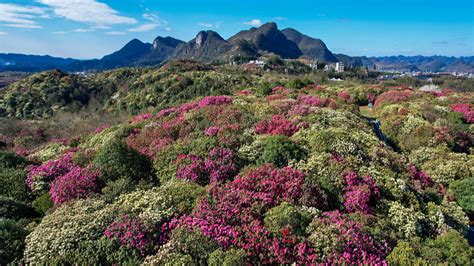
<point>259,63</point>
<point>339,67</point>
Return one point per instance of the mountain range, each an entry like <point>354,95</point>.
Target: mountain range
<point>210,47</point>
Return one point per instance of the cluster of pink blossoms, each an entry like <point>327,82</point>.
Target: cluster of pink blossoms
<point>234,216</point>
<point>420,177</point>
<point>277,125</point>
<point>39,177</point>
<point>75,184</point>
<point>360,194</point>
<point>214,100</point>
<point>218,166</point>
<point>356,246</point>
<point>466,111</point>
<point>130,232</point>
<point>344,95</point>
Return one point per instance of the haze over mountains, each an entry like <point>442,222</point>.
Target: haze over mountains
<point>209,46</point>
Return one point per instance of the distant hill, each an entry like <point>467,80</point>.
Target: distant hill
<point>310,47</point>
<point>207,46</point>
<point>210,47</point>
<point>411,63</point>
<point>268,39</point>
<point>31,63</point>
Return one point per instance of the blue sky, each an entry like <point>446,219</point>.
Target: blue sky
<point>93,28</point>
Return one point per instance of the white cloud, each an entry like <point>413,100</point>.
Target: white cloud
<point>144,27</point>
<point>207,25</point>
<point>83,30</point>
<point>3,33</point>
<point>115,33</point>
<point>168,29</point>
<point>20,16</point>
<point>23,26</point>
<point>153,17</point>
<point>59,32</point>
<point>210,25</point>
<point>87,11</point>
<point>254,23</point>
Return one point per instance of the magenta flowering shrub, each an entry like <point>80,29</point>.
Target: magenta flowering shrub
<point>191,168</point>
<point>130,233</point>
<point>234,216</point>
<point>212,131</point>
<point>344,95</point>
<point>309,100</point>
<point>393,96</point>
<point>466,111</point>
<point>289,249</point>
<point>220,164</point>
<point>352,246</point>
<point>78,183</point>
<point>39,177</point>
<point>214,100</point>
<point>277,125</point>
<point>142,117</point>
<point>165,112</point>
<point>360,194</point>
<point>419,177</point>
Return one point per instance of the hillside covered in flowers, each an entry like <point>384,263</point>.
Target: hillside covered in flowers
<point>264,169</point>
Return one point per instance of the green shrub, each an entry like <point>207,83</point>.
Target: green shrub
<point>13,209</point>
<point>406,253</point>
<point>116,160</point>
<point>164,165</point>
<point>462,190</point>
<point>43,203</point>
<point>12,184</point>
<point>183,195</point>
<point>11,160</point>
<point>231,257</point>
<point>12,241</point>
<point>448,248</point>
<point>286,215</point>
<point>115,188</point>
<point>99,252</point>
<point>194,244</point>
<point>263,89</point>
<point>279,150</point>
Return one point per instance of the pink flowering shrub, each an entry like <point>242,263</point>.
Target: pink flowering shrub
<point>191,168</point>
<point>360,194</point>
<point>166,112</point>
<point>130,233</point>
<point>101,128</point>
<point>214,100</point>
<point>244,93</point>
<point>466,111</point>
<point>349,244</point>
<point>234,216</point>
<point>212,131</point>
<point>420,178</point>
<point>309,100</point>
<point>392,96</point>
<point>76,184</point>
<point>277,125</point>
<point>142,117</point>
<point>220,164</point>
<point>39,177</point>
<point>344,95</point>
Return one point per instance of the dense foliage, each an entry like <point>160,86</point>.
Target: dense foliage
<point>226,169</point>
